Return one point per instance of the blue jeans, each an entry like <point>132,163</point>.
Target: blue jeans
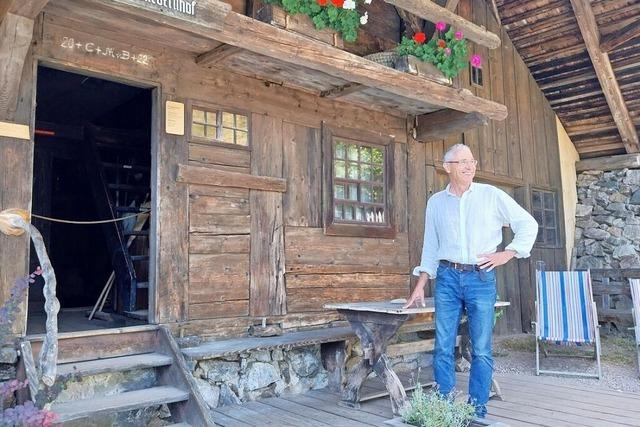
<point>475,292</point>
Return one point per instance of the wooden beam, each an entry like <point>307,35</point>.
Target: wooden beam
<point>451,5</point>
<point>341,91</point>
<point>25,8</point>
<point>443,123</point>
<point>209,16</point>
<point>217,55</point>
<point>297,49</point>
<point>604,71</point>
<point>209,176</point>
<point>15,39</point>
<point>631,161</point>
<point>432,12</point>
<point>631,31</point>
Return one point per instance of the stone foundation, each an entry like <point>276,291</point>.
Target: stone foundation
<point>261,374</point>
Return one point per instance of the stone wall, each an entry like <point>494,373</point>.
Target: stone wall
<point>608,219</point>
<point>260,374</point>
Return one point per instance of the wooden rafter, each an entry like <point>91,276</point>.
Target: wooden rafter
<point>604,71</point>
<point>432,12</point>
<point>623,35</point>
<point>217,55</point>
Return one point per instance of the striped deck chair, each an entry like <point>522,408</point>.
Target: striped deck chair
<point>635,296</point>
<point>566,313</point>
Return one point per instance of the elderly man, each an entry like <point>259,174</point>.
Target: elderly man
<point>463,229</point>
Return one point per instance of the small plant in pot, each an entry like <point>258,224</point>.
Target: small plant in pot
<point>434,409</point>
<point>447,50</point>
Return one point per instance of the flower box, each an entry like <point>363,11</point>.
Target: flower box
<point>412,65</point>
<point>300,24</point>
<point>397,422</point>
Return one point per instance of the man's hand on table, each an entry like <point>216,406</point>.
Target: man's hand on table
<point>417,296</point>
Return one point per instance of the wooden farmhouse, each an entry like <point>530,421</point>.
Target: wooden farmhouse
<point>261,169</point>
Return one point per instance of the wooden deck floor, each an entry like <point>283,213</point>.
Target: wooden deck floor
<point>529,401</point>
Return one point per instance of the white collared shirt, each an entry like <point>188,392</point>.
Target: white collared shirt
<point>458,229</point>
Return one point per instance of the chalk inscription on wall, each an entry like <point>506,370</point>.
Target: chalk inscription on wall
<point>106,51</point>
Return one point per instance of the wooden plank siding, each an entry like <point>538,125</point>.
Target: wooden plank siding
<point>230,256</point>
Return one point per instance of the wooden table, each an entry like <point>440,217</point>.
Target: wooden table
<point>375,323</point>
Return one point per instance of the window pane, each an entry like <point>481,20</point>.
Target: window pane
<point>377,174</point>
<point>536,200</point>
<point>348,212</point>
<point>210,131</point>
<point>369,215</point>
<point>340,150</point>
<point>337,211</point>
<point>551,236</point>
<point>338,169</point>
<point>352,171</point>
<point>352,152</point>
<point>377,156</point>
<point>379,215</point>
<point>378,195</point>
<point>365,172</point>
<point>366,194</point>
<point>228,120</point>
<point>227,135</point>
<point>338,191</point>
<point>242,138</point>
<point>549,221</point>
<point>211,117</point>
<point>197,130</point>
<point>537,215</point>
<point>198,116</point>
<point>365,154</point>
<point>360,213</point>
<point>241,122</point>
<point>548,201</point>
<point>353,191</point>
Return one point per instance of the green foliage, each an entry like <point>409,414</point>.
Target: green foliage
<point>436,410</point>
<point>445,51</point>
<point>344,21</point>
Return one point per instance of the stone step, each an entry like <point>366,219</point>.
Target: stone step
<point>115,364</point>
<point>119,403</point>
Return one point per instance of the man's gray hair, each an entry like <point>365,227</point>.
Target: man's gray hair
<point>448,156</point>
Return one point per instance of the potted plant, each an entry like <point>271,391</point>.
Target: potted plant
<point>440,58</point>
<point>433,409</point>
<point>338,18</point>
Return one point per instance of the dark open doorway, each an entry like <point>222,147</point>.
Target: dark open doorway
<point>92,161</point>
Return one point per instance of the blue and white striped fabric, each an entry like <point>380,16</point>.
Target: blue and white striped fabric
<point>565,311</point>
<point>635,296</point>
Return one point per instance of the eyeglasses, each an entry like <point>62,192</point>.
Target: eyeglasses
<point>464,162</point>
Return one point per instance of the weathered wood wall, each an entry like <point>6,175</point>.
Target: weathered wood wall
<point>248,244</point>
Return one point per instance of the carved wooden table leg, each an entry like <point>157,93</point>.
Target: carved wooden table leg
<point>374,330</point>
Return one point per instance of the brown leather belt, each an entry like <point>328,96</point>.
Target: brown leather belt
<point>458,266</point>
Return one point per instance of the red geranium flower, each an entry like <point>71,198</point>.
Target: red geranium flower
<point>419,38</point>
<point>322,2</point>
<point>337,3</point>
<point>442,43</point>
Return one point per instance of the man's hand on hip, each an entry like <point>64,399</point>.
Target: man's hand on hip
<point>491,261</point>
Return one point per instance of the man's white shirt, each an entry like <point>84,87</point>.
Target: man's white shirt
<point>458,229</point>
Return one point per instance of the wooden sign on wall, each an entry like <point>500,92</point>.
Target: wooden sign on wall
<point>14,130</point>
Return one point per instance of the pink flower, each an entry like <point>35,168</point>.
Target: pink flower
<point>476,61</point>
<point>459,35</point>
<point>440,26</point>
<point>447,52</point>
